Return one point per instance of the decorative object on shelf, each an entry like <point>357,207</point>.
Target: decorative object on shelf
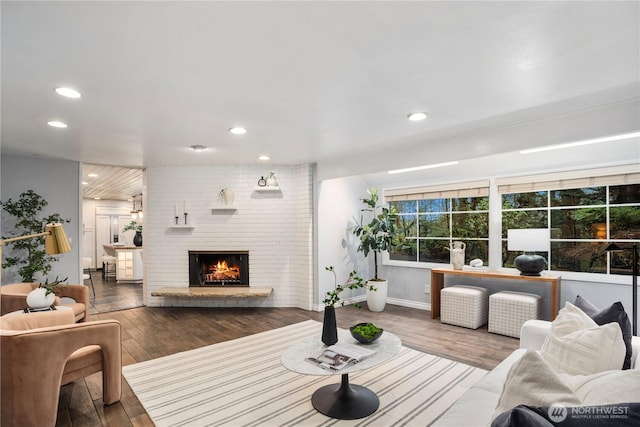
<point>612,247</point>
<point>137,227</point>
<point>329,328</point>
<point>262,182</point>
<point>529,240</point>
<point>366,333</point>
<point>381,233</point>
<point>45,294</point>
<point>180,211</point>
<point>271,180</point>
<point>456,250</point>
<point>227,196</point>
<point>31,257</point>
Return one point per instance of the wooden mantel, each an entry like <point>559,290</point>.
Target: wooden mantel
<point>213,292</point>
<point>437,283</point>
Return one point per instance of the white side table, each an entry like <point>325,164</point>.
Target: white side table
<point>343,401</point>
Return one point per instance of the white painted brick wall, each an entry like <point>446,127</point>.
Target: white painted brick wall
<point>276,229</point>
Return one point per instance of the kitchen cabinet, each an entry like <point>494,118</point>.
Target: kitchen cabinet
<point>129,264</point>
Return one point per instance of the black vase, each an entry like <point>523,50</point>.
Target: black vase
<point>137,239</point>
<point>329,327</point>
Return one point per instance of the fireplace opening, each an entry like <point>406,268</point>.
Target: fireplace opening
<point>220,268</point>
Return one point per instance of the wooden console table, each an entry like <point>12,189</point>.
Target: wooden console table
<point>437,283</point>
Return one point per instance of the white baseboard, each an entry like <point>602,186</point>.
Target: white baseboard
<point>394,301</point>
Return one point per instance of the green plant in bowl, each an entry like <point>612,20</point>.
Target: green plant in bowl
<point>366,332</point>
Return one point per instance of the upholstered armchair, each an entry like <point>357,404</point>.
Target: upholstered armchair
<point>43,351</point>
<point>14,297</point>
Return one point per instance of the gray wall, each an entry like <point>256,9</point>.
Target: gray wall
<point>58,182</point>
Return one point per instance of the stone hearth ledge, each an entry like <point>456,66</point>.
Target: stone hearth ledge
<point>213,292</point>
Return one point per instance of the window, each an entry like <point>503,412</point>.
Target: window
<point>581,217</point>
<point>433,217</point>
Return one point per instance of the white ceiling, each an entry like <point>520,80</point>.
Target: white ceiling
<point>314,82</point>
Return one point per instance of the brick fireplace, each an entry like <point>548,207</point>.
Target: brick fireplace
<point>218,268</point>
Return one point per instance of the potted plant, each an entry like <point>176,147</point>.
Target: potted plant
<point>29,255</point>
<point>380,233</point>
<point>45,294</point>
<point>137,227</point>
<point>329,325</point>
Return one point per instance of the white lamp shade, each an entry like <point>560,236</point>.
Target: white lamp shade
<point>528,240</point>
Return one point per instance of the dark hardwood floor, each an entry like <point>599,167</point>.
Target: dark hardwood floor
<point>148,333</point>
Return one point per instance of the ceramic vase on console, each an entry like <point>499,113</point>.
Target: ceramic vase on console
<point>457,254</point>
<point>329,326</point>
<point>228,197</point>
<point>137,239</point>
<point>37,298</point>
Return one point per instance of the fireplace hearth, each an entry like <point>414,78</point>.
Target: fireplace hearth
<point>218,268</point>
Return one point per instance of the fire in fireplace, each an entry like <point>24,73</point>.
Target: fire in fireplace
<point>220,268</point>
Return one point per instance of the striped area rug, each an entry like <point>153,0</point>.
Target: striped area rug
<point>242,383</point>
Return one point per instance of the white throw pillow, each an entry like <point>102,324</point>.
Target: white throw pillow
<point>532,382</point>
<point>577,345</point>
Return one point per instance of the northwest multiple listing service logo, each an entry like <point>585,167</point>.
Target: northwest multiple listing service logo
<point>588,415</point>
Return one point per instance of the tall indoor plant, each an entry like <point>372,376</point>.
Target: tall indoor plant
<point>29,255</point>
<point>381,233</point>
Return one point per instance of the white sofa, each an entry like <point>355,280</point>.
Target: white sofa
<point>476,406</point>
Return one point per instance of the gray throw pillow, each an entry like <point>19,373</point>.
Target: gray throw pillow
<point>614,313</point>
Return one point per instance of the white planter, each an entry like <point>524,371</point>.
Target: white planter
<point>377,299</point>
<point>37,299</point>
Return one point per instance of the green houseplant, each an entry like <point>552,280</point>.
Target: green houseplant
<point>44,295</point>
<point>329,325</point>
<point>381,233</point>
<point>29,255</point>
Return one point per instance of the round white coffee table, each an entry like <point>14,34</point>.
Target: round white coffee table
<point>343,401</point>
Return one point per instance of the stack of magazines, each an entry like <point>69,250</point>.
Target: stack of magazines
<point>340,356</point>
<point>35,310</point>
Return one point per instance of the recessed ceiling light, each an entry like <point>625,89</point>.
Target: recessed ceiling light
<point>67,92</point>
<point>85,183</point>
<point>198,147</point>
<point>56,124</point>
<point>264,157</point>
<point>92,175</point>
<point>238,130</point>
<point>96,198</point>
<point>417,116</point>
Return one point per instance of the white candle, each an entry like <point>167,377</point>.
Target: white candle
<point>175,210</point>
<point>184,207</point>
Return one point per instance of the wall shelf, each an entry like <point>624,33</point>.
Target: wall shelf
<point>188,226</point>
<point>219,207</point>
<point>266,189</point>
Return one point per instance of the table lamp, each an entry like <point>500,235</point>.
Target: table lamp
<point>55,240</point>
<point>529,240</point>
<point>612,247</point>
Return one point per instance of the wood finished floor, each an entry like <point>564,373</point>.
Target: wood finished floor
<point>148,333</point>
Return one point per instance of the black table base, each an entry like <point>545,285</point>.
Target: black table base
<point>345,401</point>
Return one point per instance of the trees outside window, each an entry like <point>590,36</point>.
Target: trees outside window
<point>582,221</point>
